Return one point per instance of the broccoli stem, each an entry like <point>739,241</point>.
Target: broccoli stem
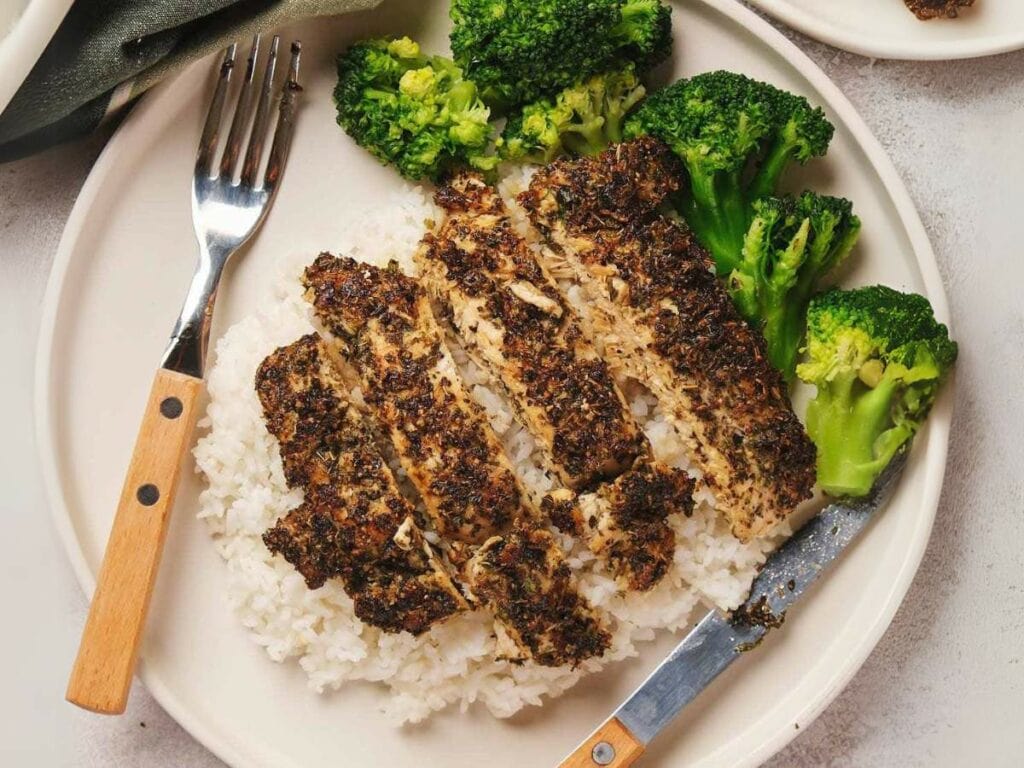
<point>846,421</point>
<point>717,212</point>
<point>461,96</point>
<point>616,115</point>
<point>783,331</point>
<point>588,138</point>
<point>787,293</point>
<point>613,128</point>
<point>765,182</point>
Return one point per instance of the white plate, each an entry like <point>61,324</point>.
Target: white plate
<point>885,29</point>
<point>119,276</point>
<point>26,27</point>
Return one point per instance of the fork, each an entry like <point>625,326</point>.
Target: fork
<point>230,199</point>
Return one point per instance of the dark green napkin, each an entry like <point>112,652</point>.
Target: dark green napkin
<point>107,52</point>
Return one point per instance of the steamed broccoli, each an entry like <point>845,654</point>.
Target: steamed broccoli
<point>800,132</point>
<point>415,112</point>
<point>735,136</point>
<point>518,51</point>
<point>581,120</point>
<point>644,32</point>
<point>877,357</point>
<point>792,243</point>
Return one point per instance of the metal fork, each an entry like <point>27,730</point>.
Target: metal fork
<point>230,199</point>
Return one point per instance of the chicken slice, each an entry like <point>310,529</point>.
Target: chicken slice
<point>513,319</point>
<point>387,330</point>
<point>523,578</point>
<point>666,320</point>
<point>624,521</point>
<point>354,523</point>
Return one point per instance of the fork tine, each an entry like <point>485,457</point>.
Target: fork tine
<point>259,127</point>
<point>242,114</point>
<point>211,130</point>
<point>285,121</point>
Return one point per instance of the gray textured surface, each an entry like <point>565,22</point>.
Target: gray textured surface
<point>945,687</point>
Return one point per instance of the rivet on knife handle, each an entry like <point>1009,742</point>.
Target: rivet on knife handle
<point>610,746</point>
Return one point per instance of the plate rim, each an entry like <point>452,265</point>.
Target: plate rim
<point>220,743</point>
<point>838,37</point>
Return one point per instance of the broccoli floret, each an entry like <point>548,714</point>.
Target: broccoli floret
<point>877,358</point>
<point>581,120</point>
<point>415,112</point>
<point>735,136</point>
<point>800,132</point>
<point>518,51</point>
<point>644,32</point>
<point>792,243</point>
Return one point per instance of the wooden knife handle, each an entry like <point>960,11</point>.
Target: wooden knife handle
<point>106,658</point>
<point>610,746</point>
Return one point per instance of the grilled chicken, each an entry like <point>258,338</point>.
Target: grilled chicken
<point>525,580</point>
<point>933,9</point>
<point>513,319</point>
<point>353,523</point>
<point>625,521</point>
<point>666,320</point>
<point>384,324</point>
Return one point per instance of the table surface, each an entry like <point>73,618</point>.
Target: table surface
<point>945,686</point>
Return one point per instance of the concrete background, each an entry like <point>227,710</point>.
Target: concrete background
<point>945,687</point>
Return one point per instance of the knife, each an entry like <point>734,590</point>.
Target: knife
<point>718,640</point>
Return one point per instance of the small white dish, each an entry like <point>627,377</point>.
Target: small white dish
<point>885,29</point>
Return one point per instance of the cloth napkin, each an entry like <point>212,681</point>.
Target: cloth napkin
<point>107,52</point>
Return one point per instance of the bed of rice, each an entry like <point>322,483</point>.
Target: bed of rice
<point>452,663</point>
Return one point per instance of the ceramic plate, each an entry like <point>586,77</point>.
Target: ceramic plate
<point>119,277</point>
<point>885,29</point>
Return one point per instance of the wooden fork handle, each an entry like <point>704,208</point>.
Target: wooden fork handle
<point>106,658</point>
<point>610,746</point>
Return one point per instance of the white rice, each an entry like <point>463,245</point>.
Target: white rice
<point>452,663</point>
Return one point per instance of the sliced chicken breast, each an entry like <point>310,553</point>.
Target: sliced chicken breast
<point>522,576</point>
<point>512,317</point>
<point>666,320</point>
<point>353,524</point>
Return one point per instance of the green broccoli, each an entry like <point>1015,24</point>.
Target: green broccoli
<point>581,120</point>
<point>877,358</point>
<point>792,243</point>
<point>644,32</point>
<point>735,136</point>
<point>415,112</point>
<point>800,132</point>
<point>518,51</point>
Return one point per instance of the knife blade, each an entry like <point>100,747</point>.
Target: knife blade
<point>718,640</point>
